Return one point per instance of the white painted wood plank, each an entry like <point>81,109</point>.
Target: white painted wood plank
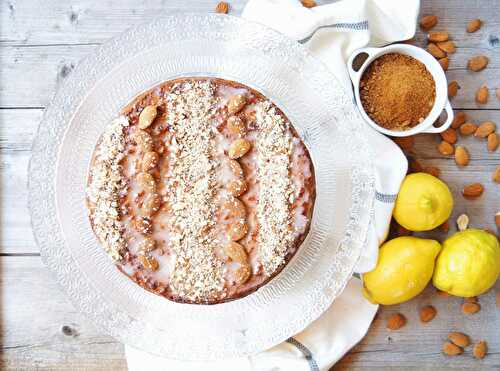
<point>34,310</point>
<point>37,310</point>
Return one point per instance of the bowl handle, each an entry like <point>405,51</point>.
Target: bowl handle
<point>447,123</point>
<point>356,75</point>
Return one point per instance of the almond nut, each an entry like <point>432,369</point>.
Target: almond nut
<point>462,222</point>
<point>458,120</point>
<point>446,148</point>
<point>242,274</point>
<point>222,8</point>
<point>235,208</point>
<point>473,190</point>
<point>236,125</point>
<point>496,175</point>
<point>451,349</point>
<point>482,95</point>
<point>236,252</point>
<point>148,262</point>
<point>238,148</point>
<point>470,308</point>
<point>485,129</point>
<point>449,135</point>
<point>435,37</point>
<point>461,156</point>
<point>432,170</point>
<point>146,182</point>
<point>453,88</point>
<point>237,230</point>
<point>150,160</point>
<point>427,313</point>
<point>236,103</point>
<point>468,128</point>
<point>396,321</point>
<point>492,142</point>
<point>459,339</point>
<point>428,21</point>
<point>445,63</point>
<point>236,168</point>
<point>474,25</point>
<point>147,116</point>
<point>447,46</point>
<point>237,187</point>
<point>435,51</point>
<point>480,349</point>
<point>308,3</point>
<point>477,63</point>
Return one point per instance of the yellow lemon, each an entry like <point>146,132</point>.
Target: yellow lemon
<point>424,202</point>
<point>469,263</point>
<point>404,268</point>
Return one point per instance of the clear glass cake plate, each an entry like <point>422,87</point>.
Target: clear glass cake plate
<point>202,45</point>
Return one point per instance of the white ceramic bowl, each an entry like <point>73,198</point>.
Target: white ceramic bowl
<point>432,66</point>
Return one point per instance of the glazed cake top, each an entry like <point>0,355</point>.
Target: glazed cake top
<point>202,190</point>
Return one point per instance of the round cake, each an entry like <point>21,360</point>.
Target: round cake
<point>200,190</point>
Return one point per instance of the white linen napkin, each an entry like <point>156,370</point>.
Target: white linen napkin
<point>332,32</point>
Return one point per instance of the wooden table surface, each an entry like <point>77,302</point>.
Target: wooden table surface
<point>40,44</point>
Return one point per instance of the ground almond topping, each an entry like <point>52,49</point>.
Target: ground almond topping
<point>106,186</point>
<point>274,148</point>
<point>197,273</point>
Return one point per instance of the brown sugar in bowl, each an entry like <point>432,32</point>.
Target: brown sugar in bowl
<point>404,116</point>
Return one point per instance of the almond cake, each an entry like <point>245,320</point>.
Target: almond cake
<point>201,190</point>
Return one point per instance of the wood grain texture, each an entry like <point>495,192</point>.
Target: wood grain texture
<point>41,42</point>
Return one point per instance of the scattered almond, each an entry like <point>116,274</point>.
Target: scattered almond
<point>468,128</point>
<point>453,88</point>
<point>473,190</point>
<point>434,171</point>
<point>480,349</point>
<point>222,8</point>
<point>474,25</point>
<point>446,148</point>
<point>477,63</point>
<point>470,308</point>
<point>496,175</point>
<point>449,135</point>
<point>482,95</point>
<point>427,313</point>
<point>443,294</point>
<point>459,338</point>
<point>451,349</point>
<point>461,156</point>
<point>428,21</point>
<point>492,142</point>
<point>497,222</point>
<point>447,46</point>
<point>308,3</point>
<point>435,51</point>
<point>396,321</point>
<point>485,129</point>
<point>445,227</point>
<point>445,63</point>
<point>439,36</point>
<point>462,222</point>
<point>458,120</point>
<point>416,166</point>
